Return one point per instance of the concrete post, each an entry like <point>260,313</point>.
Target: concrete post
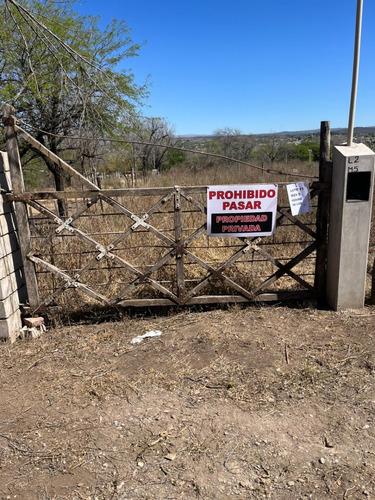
<point>349,226</point>
<point>12,285</point>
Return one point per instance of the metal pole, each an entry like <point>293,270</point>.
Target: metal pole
<point>357,46</point>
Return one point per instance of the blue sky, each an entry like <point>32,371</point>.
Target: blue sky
<point>258,66</point>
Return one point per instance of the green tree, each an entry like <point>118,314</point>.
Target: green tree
<point>307,151</point>
<point>174,158</point>
<point>59,70</point>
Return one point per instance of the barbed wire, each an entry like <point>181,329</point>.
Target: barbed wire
<point>167,146</point>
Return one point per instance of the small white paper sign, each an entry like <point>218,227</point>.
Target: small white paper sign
<point>299,198</point>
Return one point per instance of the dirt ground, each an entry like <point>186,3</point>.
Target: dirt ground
<point>249,402</point>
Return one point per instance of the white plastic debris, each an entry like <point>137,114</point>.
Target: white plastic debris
<point>140,338</point>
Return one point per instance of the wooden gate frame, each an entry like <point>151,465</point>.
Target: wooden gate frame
<point>178,247</point>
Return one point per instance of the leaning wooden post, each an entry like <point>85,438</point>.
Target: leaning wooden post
<point>322,216</point>
<point>18,187</point>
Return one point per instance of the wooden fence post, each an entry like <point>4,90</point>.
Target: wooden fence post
<point>180,274</point>
<point>22,220</point>
<point>322,216</point>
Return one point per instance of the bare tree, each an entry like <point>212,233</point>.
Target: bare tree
<point>158,131</point>
<point>274,150</point>
<point>232,143</point>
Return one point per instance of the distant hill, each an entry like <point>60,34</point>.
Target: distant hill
<point>357,131</point>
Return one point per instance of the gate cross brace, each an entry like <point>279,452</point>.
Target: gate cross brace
<point>140,221</point>
<point>284,269</point>
<point>64,225</point>
<point>278,264</point>
<point>215,272</point>
<point>40,208</point>
<point>105,251</point>
<point>68,283</point>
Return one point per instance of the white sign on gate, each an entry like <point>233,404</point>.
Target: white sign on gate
<point>241,210</point>
<point>299,198</point>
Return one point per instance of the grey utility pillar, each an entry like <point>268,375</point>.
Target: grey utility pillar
<point>349,227</point>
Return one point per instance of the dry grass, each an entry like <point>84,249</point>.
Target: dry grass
<point>229,174</point>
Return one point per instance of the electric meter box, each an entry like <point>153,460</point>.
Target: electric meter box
<point>349,225</point>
